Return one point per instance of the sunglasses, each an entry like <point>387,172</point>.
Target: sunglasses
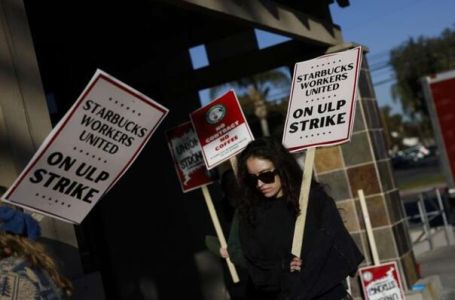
<point>265,177</point>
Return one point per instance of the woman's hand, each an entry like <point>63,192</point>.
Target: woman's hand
<point>296,264</point>
<point>224,253</point>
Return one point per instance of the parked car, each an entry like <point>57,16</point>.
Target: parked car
<point>417,152</point>
<point>410,156</point>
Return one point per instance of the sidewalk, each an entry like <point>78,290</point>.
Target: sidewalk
<point>438,261</point>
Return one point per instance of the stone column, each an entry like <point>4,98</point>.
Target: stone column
<point>363,163</point>
<point>25,122</point>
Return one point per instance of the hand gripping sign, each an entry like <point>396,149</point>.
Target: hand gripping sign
<point>88,151</point>
<point>320,113</point>
<point>223,132</point>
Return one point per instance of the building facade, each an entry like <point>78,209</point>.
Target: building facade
<point>145,239</point>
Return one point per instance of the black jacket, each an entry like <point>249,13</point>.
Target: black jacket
<point>329,254</point>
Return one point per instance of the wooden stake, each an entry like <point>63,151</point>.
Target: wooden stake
<point>299,228</point>
<point>219,232</point>
<point>366,217</point>
<point>234,165</point>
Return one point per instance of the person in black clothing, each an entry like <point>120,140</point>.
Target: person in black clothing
<point>231,195</point>
<point>230,201</point>
<point>270,179</point>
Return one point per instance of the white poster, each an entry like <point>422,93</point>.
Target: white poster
<point>187,156</point>
<point>381,282</point>
<point>322,101</point>
<point>221,128</point>
<point>88,151</point>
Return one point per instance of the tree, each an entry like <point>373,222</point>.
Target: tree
<point>260,94</point>
<point>394,128</point>
<point>412,61</point>
<point>264,83</point>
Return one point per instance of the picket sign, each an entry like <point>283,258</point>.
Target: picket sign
<point>186,153</point>
<point>221,128</point>
<point>88,151</point>
<point>380,281</point>
<point>320,113</point>
<point>223,132</point>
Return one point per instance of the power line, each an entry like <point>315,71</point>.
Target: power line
<point>382,72</point>
<point>380,67</point>
<point>383,82</point>
<point>372,57</point>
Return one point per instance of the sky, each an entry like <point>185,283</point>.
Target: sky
<point>380,25</point>
<point>386,24</point>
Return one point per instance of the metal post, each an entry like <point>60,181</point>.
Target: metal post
<point>444,217</point>
<point>424,219</point>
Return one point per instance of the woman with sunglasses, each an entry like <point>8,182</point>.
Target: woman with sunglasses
<point>270,179</point>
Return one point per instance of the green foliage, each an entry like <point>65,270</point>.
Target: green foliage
<point>264,83</point>
<point>270,88</point>
<point>415,59</point>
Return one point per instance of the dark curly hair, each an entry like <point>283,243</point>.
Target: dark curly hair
<point>285,164</point>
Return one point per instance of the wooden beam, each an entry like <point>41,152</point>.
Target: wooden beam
<point>270,16</point>
<point>285,54</point>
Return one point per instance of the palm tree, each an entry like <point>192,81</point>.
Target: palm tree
<point>257,92</point>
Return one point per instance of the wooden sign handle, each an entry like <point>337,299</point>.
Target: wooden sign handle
<point>369,228</point>
<point>299,228</point>
<point>234,165</point>
<point>219,232</point>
